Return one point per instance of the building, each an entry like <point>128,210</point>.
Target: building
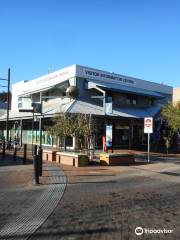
<point>3,110</point>
<point>113,99</point>
<point>176,95</point>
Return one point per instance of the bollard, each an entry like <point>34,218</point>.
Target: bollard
<point>35,150</point>
<point>4,149</point>
<point>25,154</point>
<point>40,161</point>
<point>15,153</point>
<point>36,174</point>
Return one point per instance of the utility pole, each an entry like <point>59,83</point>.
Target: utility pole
<point>8,105</point>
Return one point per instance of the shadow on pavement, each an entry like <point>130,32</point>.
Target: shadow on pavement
<point>10,161</point>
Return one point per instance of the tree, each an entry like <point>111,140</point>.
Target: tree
<point>76,124</point>
<point>171,116</point>
<point>3,96</point>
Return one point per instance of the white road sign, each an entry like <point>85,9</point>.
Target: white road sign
<point>148,125</point>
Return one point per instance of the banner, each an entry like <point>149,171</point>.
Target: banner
<point>109,135</point>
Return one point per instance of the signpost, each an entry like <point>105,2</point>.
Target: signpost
<point>148,128</point>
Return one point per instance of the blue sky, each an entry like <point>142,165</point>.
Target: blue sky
<point>139,38</point>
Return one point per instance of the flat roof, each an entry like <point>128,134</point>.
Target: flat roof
<point>54,78</point>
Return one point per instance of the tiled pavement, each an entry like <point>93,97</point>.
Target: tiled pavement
<point>109,203</point>
<point>23,209</point>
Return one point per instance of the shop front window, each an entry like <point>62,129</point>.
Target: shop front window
<point>69,141</point>
<point>121,135</point>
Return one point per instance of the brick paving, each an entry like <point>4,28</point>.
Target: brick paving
<point>23,206</point>
<point>110,202</point>
<point>105,202</point>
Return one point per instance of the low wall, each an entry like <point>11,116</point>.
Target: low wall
<point>72,159</point>
<point>66,158</point>
<point>112,159</point>
<point>49,155</point>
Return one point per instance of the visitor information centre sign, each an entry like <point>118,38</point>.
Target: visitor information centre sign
<point>148,125</point>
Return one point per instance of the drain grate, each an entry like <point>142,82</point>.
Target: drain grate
<point>28,222</point>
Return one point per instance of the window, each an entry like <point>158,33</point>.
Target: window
<point>131,100</point>
<point>134,101</point>
<point>20,105</point>
<point>151,102</point>
<point>69,141</point>
<point>128,100</point>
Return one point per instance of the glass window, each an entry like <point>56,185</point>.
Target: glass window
<point>128,100</point>
<point>134,101</point>
<point>20,105</point>
<point>69,141</point>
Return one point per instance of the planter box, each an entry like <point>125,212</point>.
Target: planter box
<point>49,155</point>
<point>72,159</point>
<point>112,159</point>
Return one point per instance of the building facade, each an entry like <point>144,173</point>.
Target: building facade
<point>176,95</point>
<point>111,99</point>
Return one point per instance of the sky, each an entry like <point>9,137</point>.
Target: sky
<point>137,38</point>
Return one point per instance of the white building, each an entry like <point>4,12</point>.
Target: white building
<point>121,100</point>
<point>176,95</point>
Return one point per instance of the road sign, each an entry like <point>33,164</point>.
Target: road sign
<point>148,125</point>
<point>148,128</point>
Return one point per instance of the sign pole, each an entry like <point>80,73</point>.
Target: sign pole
<point>148,128</point>
<point>148,145</point>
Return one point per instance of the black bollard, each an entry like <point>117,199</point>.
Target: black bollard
<point>35,150</point>
<point>40,161</point>
<point>4,149</point>
<point>15,153</point>
<point>36,174</point>
<point>25,154</point>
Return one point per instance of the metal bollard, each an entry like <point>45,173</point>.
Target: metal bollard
<point>36,174</point>
<point>4,149</point>
<point>15,153</point>
<point>40,161</point>
<point>35,150</point>
<point>25,154</point>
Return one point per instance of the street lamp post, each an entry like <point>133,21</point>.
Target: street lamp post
<point>40,137</point>
<point>8,106</point>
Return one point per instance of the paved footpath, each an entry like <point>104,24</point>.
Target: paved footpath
<point>105,203</point>
<point>99,203</point>
<point>23,207</point>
